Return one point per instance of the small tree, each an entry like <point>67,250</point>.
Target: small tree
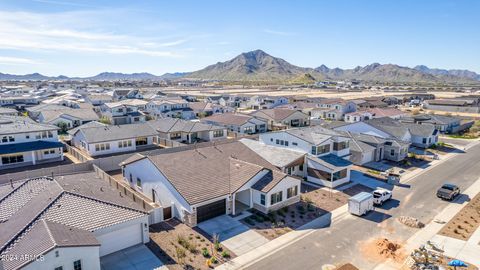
<point>63,127</point>
<point>105,120</point>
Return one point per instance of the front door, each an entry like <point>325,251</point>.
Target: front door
<point>167,213</point>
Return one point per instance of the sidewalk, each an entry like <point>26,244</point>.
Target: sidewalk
<point>328,219</point>
<point>468,251</point>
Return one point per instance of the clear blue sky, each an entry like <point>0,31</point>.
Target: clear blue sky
<point>83,38</point>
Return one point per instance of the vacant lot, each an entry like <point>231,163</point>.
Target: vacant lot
<point>464,224</point>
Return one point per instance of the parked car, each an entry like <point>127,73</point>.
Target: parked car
<point>360,204</point>
<point>381,195</point>
<point>448,192</point>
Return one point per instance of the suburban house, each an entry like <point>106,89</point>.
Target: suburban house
<point>202,183</point>
<point>98,99</point>
<point>68,221</point>
<point>70,117</point>
<point>387,112</point>
<point>333,109</point>
<point>120,94</point>
<point>124,112</point>
<point>357,116</point>
<point>288,161</point>
<point>372,103</point>
<point>418,135</point>
<point>282,118</point>
<point>170,107</point>
<point>471,105</point>
<point>236,122</point>
<point>366,148</point>
<point>204,109</point>
<point>444,124</point>
<point>265,102</point>
<point>234,101</point>
<point>25,142</point>
<point>184,131</point>
<point>327,152</point>
<point>302,106</point>
<point>103,140</point>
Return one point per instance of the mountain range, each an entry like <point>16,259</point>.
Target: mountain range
<point>258,66</point>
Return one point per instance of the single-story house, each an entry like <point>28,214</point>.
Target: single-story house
<point>206,182</point>
<point>282,118</point>
<point>184,131</point>
<point>239,123</point>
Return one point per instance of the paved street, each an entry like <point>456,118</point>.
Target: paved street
<point>341,242</point>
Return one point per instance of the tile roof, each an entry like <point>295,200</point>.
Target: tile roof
<point>398,129</point>
<point>83,114</point>
<point>168,124</point>
<point>385,112</point>
<point>228,119</point>
<point>269,181</point>
<point>314,135</point>
<point>279,157</point>
<point>19,124</point>
<point>87,125</point>
<point>274,114</point>
<point>70,207</point>
<point>210,172</point>
<point>113,133</point>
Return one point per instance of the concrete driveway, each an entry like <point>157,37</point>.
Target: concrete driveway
<point>138,257</point>
<point>233,234</point>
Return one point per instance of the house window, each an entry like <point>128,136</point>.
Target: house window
<point>314,150</point>
<point>77,265</point>
<point>262,199</point>
<point>271,139</point>
<point>276,198</point>
<point>286,143</point>
<point>57,254</point>
<point>339,175</point>
<point>217,133</point>
<point>319,174</point>
<point>139,182</point>
<point>277,141</point>
<point>12,159</point>
<point>322,149</point>
<point>424,140</point>
<point>294,143</point>
<point>392,152</point>
<point>131,178</point>
<point>8,139</point>
<point>59,268</point>
<point>337,146</point>
<point>175,135</point>
<point>141,141</point>
<point>293,191</point>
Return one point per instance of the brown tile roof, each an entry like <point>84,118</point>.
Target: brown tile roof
<point>228,119</point>
<point>385,112</point>
<point>210,172</point>
<point>274,114</point>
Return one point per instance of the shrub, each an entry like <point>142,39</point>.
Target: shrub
<point>205,252</point>
<point>217,246</point>
<point>249,221</point>
<point>225,254</point>
<point>213,260</point>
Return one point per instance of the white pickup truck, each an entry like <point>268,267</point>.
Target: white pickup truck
<point>381,195</point>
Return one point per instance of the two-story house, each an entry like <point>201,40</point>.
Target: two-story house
<point>124,112</point>
<point>282,118</point>
<point>174,107</point>
<point>333,109</point>
<point>327,153</point>
<point>266,102</point>
<point>238,123</point>
<point>25,142</point>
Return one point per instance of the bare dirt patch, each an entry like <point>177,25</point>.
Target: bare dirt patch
<point>383,250</point>
<point>181,247</point>
<point>465,222</point>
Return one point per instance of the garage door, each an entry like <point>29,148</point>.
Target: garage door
<point>120,239</point>
<point>211,210</point>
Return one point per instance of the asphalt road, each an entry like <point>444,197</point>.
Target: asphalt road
<point>344,240</point>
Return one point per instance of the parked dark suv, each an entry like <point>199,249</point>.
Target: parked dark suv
<point>448,192</point>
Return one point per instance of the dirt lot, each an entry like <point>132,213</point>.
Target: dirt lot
<point>181,247</point>
<point>465,222</point>
<point>314,203</point>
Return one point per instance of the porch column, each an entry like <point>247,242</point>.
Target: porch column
<point>34,161</point>
<point>233,204</point>
<point>251,198</point>
<point>61,153</point>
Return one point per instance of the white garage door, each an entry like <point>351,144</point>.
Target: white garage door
<point>120,239</point>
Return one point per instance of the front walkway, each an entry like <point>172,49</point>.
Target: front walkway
<point>138,257</point>
<point>234,235</point>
